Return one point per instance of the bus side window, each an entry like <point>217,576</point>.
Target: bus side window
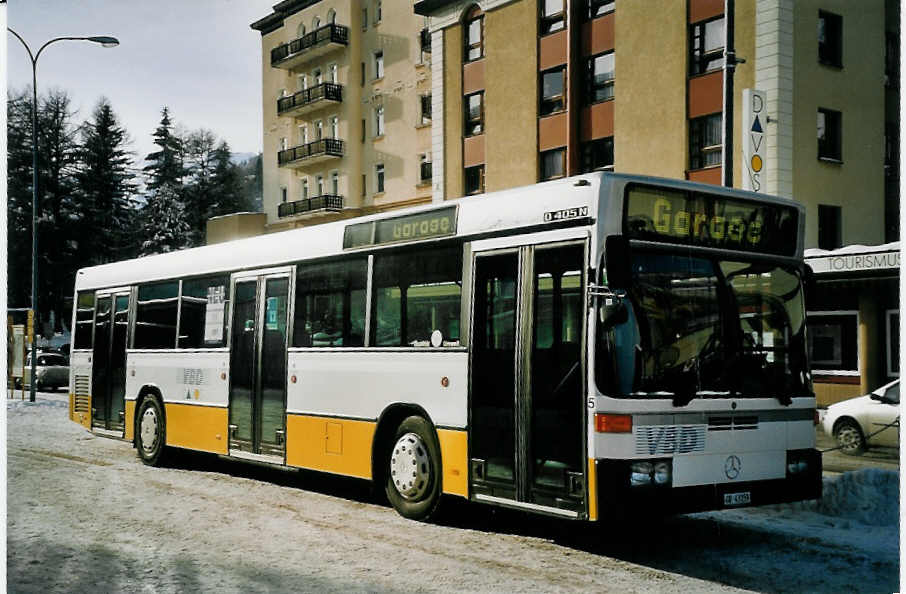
<point>330,304</point>
<point>84,320</point>
<point>417,292</point>
<point>202,315</point>
<point>155,318</point>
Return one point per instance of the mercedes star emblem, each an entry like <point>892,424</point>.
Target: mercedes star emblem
<point>732,467</point>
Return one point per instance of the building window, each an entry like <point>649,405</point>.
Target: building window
<point>334,127</point>
<point>304,188</point>
<point>424,169</point>
<point>364,184</point>
<point>282,195</point>
<point>302,82</point>
<point>830,227</point>
<point>377,11</point>
<point>597,154</point>
<point>553,16</point>
<point>893,342</point>
<point>335,183</point>
<point>705,141</point>
<point>319,184</point>
<point>300,30</point>
<point>474,116</point>
<point>332,69</point>
<point>363,129</point>
<point>316,75</point>
<point>833,344</point>
<point>426,109</point>
<point>319,130</point>
<point>379,178</point>
<point>363,74</point>
<point>379,64</point>
<point>830,135</point>
<point>553,99</point>
<point>598,8</point>
<point>553,164</point>
<point>331,16</point>
<point>474,180</point>
<point>365,19</point>
<point>600,77</point>
<point>379,121</point>
<point>474,25</point>
<point>830,39</point>
<point>303,134</point>
<point>707,46</point>
<point>284,144</point>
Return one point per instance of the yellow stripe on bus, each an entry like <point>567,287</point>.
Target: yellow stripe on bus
<point>195,427</point>
<point>592,490</point>
<point>454,454</point>
<point>340,446</point>
<point>130,420</point>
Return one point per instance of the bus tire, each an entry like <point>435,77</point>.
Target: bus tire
<point>151,432</point>
<point>413,470</point>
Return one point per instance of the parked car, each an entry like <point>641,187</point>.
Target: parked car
<point>866,421</point>
<point>52,371</point>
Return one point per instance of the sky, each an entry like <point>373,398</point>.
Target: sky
<point>198,57</point>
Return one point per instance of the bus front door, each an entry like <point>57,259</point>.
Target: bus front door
<point>527,407</point>
<point>108,376</point>
<point>258,366</point>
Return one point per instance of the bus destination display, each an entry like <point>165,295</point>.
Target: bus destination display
<point>426,225</point>
<point>693,218</point>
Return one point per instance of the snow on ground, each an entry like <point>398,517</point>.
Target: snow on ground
<point>70,495</point>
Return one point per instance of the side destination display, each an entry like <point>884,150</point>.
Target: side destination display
<point>425,225</point>
<point>693,218</point>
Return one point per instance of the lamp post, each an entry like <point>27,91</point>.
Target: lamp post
<point>106,42</point>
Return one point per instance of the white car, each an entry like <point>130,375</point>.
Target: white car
<point>866,421</point>
<point>52,371</point>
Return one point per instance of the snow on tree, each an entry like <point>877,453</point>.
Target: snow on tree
<point>164,224</point>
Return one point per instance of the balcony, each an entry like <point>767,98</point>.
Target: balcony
<point>310,100</point>
<point>311,153</point>
<point>327,202</point>
<point>312,45</point>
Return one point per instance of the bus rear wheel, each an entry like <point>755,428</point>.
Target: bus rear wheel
<point>413,470</point>
<point>150,432</point>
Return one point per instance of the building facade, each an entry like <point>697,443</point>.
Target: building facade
<point>346,110</point>
<point>537,89</point>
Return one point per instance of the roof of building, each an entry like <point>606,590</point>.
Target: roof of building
<point>283,9</point>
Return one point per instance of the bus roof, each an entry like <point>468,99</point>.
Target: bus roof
<point>530,208</point>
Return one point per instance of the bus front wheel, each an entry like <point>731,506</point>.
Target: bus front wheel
<point>413,470</point>
<point>150,432</point>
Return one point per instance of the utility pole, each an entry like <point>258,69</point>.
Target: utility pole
<point>730,62</point>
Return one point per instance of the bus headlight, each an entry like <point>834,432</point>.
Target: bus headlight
<point>640,473</point>
<point>651,472</point>
<point>796,463</point>
<point>662,473</point>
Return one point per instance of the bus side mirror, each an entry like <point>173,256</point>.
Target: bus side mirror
<point>617,261</point>
<point>808,279</point>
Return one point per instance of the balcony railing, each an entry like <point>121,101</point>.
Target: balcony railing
<point>307,205</point>
<point>310,99</point>
<point>425,172</point>
<point>303,48</point>
<point>313,152</point>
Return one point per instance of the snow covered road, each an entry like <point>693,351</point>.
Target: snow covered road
<point>85,515</point>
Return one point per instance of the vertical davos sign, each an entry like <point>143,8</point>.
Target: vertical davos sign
<point>754,119</point>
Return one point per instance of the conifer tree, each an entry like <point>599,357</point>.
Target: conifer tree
<point>165,164</point>
<point>164,226</point>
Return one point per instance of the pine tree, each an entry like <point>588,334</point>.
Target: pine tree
<point>19,198</point>
<point>164,225</point>
<point>228,183</point>
<point>107,209</point>
<point>200,195</point>
<point>165,165</point>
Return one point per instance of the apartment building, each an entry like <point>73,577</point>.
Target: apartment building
<point>530,90</point>
<point>346,109</point>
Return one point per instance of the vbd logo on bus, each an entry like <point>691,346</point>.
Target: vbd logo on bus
<point>671,439</point>
<point>709,221</point>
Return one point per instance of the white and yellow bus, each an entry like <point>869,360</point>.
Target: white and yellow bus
<point>575,348</point>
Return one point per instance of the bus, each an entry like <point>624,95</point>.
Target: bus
<point>580,348</point>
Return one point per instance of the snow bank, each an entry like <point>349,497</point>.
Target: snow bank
<point>870,496</point>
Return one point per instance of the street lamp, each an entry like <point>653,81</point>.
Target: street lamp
<point>106,42</point>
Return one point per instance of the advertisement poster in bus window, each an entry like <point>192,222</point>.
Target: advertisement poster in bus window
<point>214,313</point>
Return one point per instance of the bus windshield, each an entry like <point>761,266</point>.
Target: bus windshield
<point>698,327</point>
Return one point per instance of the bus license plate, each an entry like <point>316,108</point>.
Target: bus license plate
<point>743,498</point>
